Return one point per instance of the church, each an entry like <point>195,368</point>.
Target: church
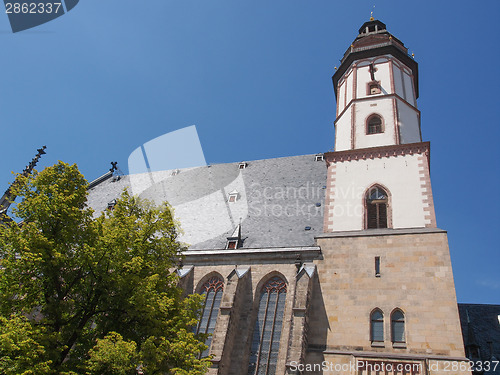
<point>328,263</point>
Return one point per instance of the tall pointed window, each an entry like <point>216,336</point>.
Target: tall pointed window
<point>267,331</point>
<point>374,125</point>
<point>376,208</point>
<point>377,326</point>
<point>212,289</point>
<point>398,326</point>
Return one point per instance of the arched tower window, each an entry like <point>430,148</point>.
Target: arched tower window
<point>376,208</point>
<point>374,125</point>
<point>267,331</point>
<point>377,326</point>
<point>398,326</point>
<point>212,289</point>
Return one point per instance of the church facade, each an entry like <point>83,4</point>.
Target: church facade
<point>329,263</point>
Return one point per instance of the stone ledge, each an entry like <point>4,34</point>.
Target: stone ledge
<point>381,232</point>
<point>366,354</point>
<point>248,255</point>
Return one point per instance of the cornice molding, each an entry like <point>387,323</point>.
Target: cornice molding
<point>377,152</point>
<point>226,256</point>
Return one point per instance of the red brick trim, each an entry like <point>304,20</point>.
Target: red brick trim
<point>395,112</point>
<point>345,93</point>
<point>378,152</point>
<point>355,81</point>
<point>372,97</point>
<point>391,76</point>
<point>353,126</point>
<point>329,198</point>
<point>427,198</point>
<point>339,88</point>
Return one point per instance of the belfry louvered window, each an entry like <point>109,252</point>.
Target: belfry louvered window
<point>374,125</point>
<point>268,326</point>
<point>398,326</point>
<point>212,289</point>
<point>376,208</point>
<point>377,326</point>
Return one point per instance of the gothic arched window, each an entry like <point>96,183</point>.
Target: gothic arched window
<point>212,289</point>
<point>376,208</point>
<point>398,326</point>
<point>377,326</point>
<point>374,125</point>
<point>267,331</point>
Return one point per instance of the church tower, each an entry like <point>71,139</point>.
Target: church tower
<point>386,295</point>
<point>380,170</point>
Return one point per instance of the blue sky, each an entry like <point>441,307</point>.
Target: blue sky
<point>255,78</point>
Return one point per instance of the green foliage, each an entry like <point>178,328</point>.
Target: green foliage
<point>113,356</point>
<point>20,348</point>
<point>99,291</point>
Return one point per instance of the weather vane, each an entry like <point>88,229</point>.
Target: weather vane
<point>371,14</point>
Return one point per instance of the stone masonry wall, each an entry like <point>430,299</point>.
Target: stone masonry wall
<point>233,331</point>
<point>415,276</point>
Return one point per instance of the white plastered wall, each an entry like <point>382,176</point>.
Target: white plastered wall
<point>382,106</point>
<point>399,174</point>
<point>349,83</point>
<point>343,132</point>
<point>382,75</point>
<point>409,128</point>
<point>403,83</point>
<point>340,97</point>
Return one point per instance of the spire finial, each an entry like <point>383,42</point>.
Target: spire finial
<point>371,14</point>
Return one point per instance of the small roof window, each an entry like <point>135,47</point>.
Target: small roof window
<point>233,196</point>
<point>112,204</point>
<point>232,244</point>
<point>319,157</point>
<point>242,165</point>
<point>234,241</point>
<point>175,172</point>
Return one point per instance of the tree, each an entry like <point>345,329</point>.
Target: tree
<point>20,351</point>
<point>92,286</point>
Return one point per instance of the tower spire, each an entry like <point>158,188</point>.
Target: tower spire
<point>9,196</point>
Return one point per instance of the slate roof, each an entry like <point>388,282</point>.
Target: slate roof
<point>484,321</point>
<point>279,202</point>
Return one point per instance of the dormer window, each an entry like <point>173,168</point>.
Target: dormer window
<point>232,244</point>
<point>374,88</point>
<point>233,196</point>
<point>374,125</point>
<point>242,165</point>
<point>320,157</point>
<point>234,241</point>
<point>111,205</point>
<point>175,172</point>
